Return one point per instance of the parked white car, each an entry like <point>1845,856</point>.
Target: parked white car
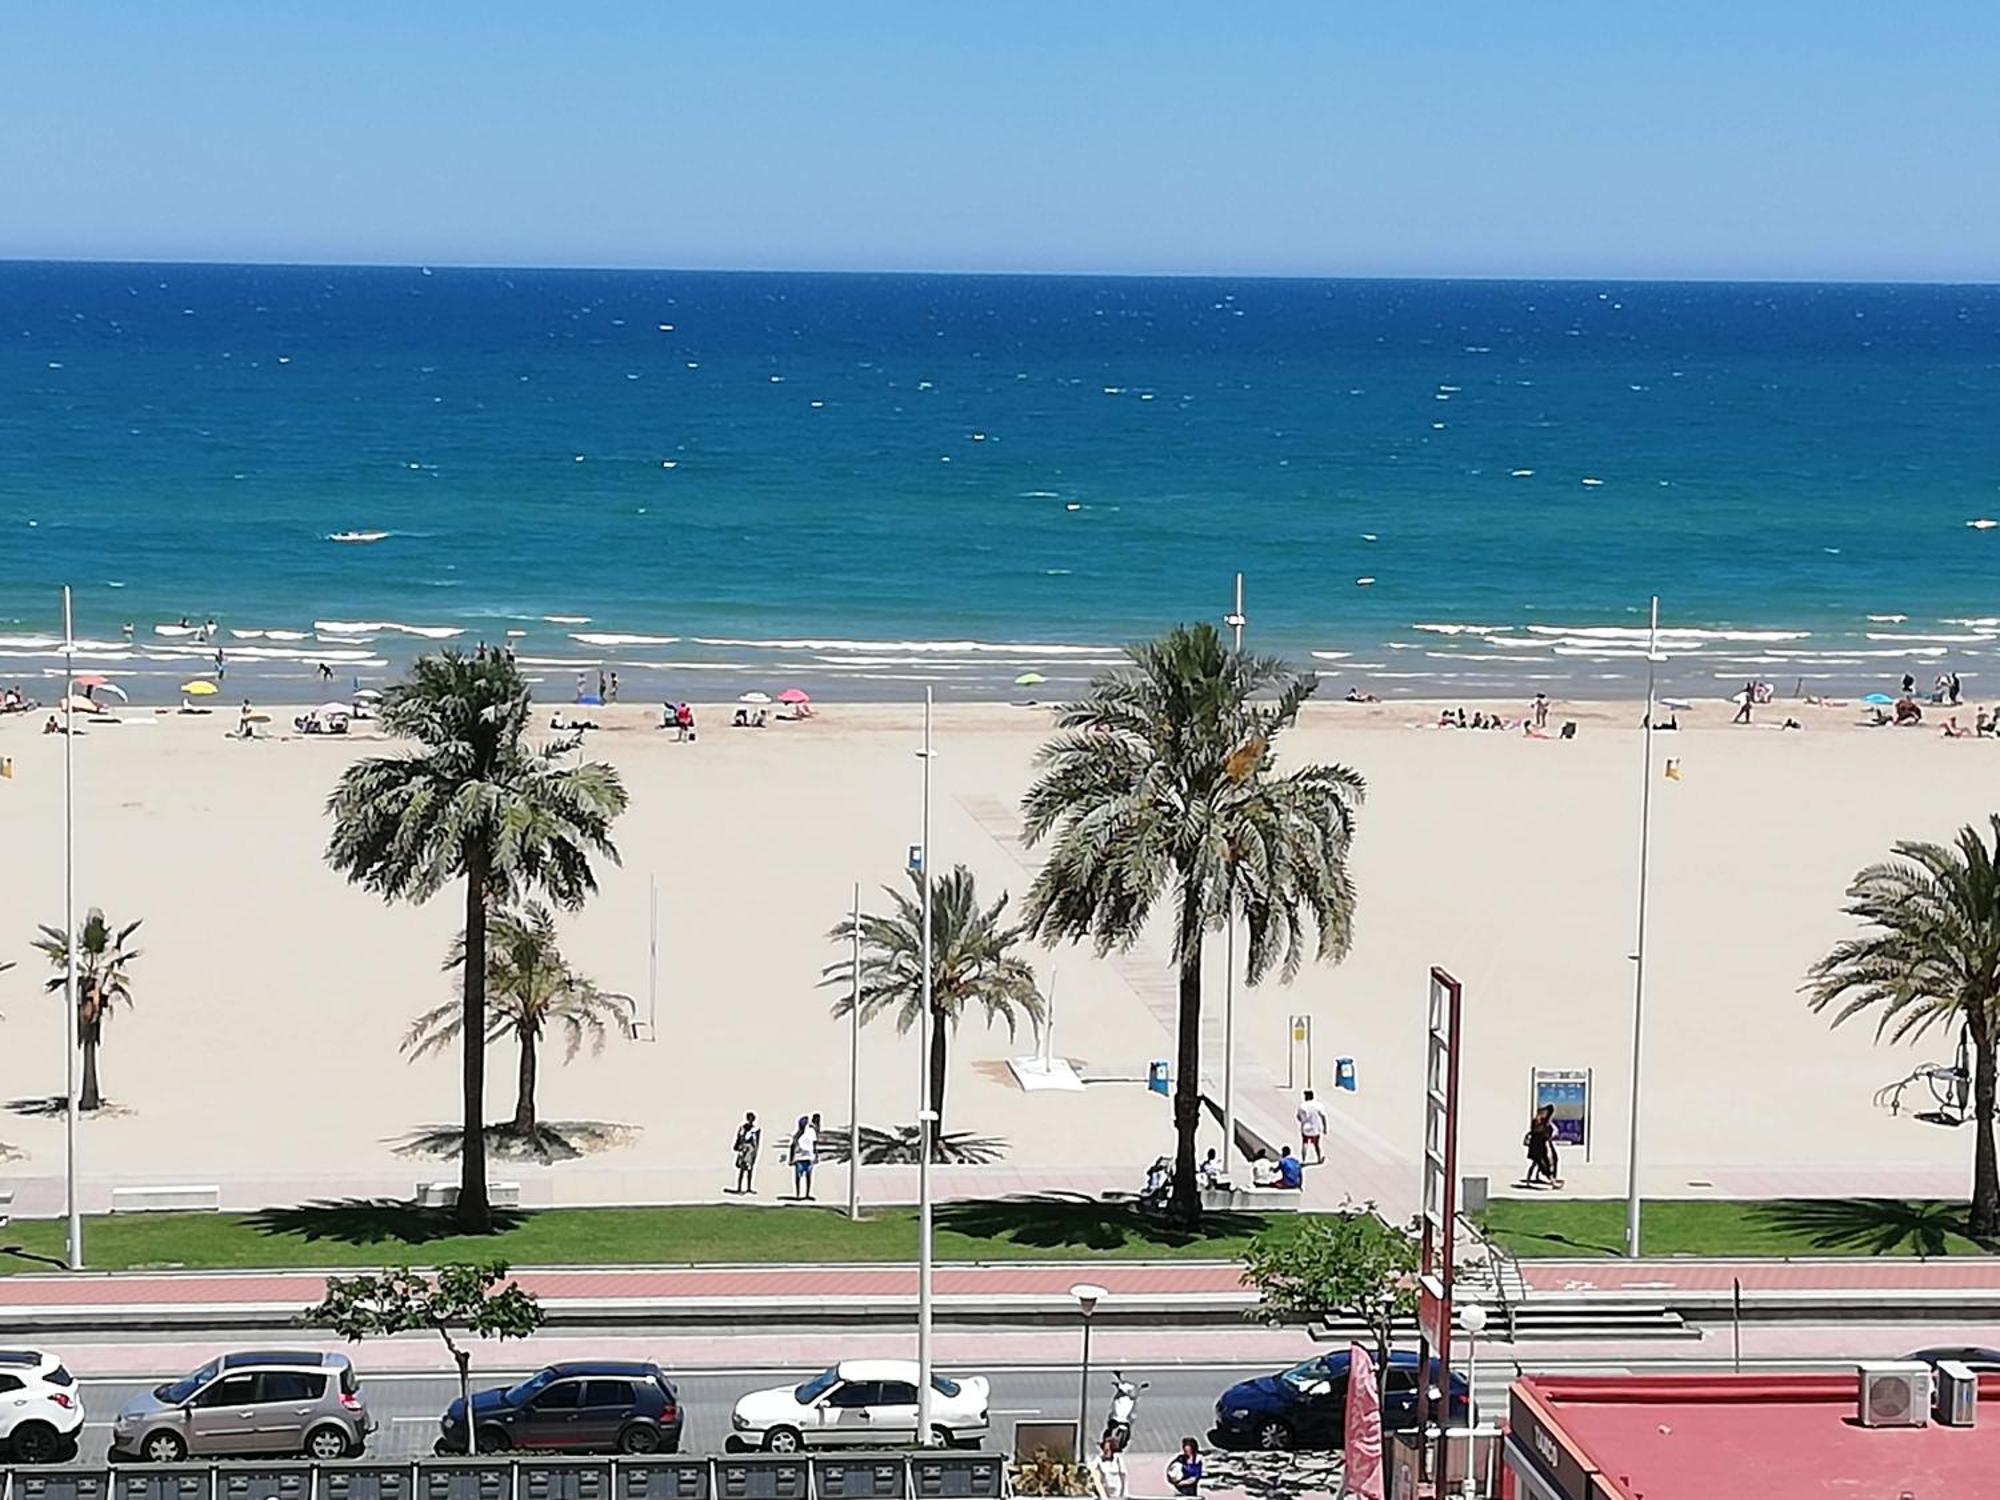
<point>41,1410</point>
<point>861,1403</point>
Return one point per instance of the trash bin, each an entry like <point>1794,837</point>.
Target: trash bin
<point>1156,1077</point>
<point>1343,1073</point>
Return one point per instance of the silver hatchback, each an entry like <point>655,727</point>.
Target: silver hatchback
<point>261,1402</point>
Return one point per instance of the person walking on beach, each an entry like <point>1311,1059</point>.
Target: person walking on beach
<point>748,1139</point>
<point>1312,1129</point>
<point>1541,1143</point>
<point>325,672</point>
<point>1541,710</point>
<point>1743,708</point>
<point>1909,684</point>
<point>218,665</point>
<point>1184,1469</point>
<point>612,695</point>
<point>805,1149</point>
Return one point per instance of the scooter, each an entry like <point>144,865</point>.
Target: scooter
<point>1124,1400</point>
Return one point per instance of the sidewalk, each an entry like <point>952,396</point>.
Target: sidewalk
<point>1663,1280</point>
<point>654,1295</point>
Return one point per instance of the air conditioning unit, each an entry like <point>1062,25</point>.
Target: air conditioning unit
<point>1957,1394</point>
<point>1896,1393</point>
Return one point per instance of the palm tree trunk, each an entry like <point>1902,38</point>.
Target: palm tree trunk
<point>939,1042</point>
<point>1184,1205</point>
<point>475,1214</point>
<point>1985,1223</point>
<point>91,1097</point>
<point>526,1124</point>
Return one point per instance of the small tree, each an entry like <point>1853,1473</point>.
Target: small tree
<point>1350,1264</point>
<point>102,981</point>
<point>475,1299</point>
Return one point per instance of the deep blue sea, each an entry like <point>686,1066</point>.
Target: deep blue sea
<point>859,483</point>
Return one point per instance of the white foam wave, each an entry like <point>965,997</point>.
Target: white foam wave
<point>1676,634</point>
<point>1461,629</point>
<point>567,619</point>
<point>995,648</point>
<point>592,638</point>
<point>380,627</point>
<point>1899,619</point>
<point>1948,640</point>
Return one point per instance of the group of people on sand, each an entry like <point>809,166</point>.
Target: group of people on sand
<point>14,701</point>
<point>801,1155</point>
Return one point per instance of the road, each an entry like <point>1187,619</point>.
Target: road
<point>1180,1401</point>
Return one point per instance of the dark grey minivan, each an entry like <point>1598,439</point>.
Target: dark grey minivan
<point>269,1402</point>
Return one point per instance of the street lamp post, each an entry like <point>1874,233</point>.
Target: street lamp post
<point>71,1030</point>
<point>1235,621</point>
<point>1472,1318</point>
<point>926,1118</point>
<point>1087,1297</point>
<point>1653,659</point>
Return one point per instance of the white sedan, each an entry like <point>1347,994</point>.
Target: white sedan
<point>862,1403</point>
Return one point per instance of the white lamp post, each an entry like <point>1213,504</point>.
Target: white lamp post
<point>1087,1297</point>
<point>1471,1318</point>
<point>926,1119</point>
<point>1653,659</point>
<point>72,1031</point>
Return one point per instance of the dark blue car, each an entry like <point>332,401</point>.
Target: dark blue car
<point>1306,1406</point>
<point>584,1406</point>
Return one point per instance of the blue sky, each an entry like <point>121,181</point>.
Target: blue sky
<point>1761,138</point>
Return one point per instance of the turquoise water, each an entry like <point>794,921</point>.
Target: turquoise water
<point>857,483</point>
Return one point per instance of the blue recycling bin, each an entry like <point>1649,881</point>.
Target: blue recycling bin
<point>1156,1077</point>
<point>1343,1073</point>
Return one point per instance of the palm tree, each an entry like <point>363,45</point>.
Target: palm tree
<point>972,964</point>
<point>1930,956</point>
<point>472,801</point>
<point>101,982</point>
<point>1162,783</point>
<point>530,989</point>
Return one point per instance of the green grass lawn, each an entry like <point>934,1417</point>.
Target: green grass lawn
<point>1549,1227</point>
<point>369,1233</point>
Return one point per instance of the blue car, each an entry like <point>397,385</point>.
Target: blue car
<point>1306,1406</point>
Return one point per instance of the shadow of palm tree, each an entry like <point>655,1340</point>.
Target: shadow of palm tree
<point>1274,1476</point>
<point>555,1140</point>
<point>899,1147</point>
<point>44,1107</point>
<point>1074,1222</point>
<point>19,1252</point>
<point>1876,1226</point>
<point>369,1221</point>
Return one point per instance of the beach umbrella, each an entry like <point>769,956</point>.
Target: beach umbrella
<point>1878,698</point>
<point>367,694</point>
<point>754,698</point>
<point>1030,679</point>
<point>201,687</point>
<point>334,711</point>
<point>91,680</point>
<point>110,687</point>
<point>794,695</point>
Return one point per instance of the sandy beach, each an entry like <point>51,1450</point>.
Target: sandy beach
<point>271,995</point>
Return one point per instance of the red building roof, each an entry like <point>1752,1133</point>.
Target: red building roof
<point>1700,1437</point>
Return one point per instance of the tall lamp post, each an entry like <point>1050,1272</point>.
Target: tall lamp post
<point>854,1064</point>
<point>926,1118</point>
<point>1087,1295</point>
<point>1235,621</point>
<point>70,1027</point>
<point>1472,1318</point>
<point>1653,659</point>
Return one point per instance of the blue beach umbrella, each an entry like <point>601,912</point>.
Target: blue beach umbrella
<point>1878,698</point>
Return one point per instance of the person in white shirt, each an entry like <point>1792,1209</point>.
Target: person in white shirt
<point>804,1152</point>
<point>1263,1173</point>
<point>1107,1471</point>
<point>1312,1128</point>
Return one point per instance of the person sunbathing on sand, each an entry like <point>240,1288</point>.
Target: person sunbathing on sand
<point>1952,731</point>
<point>1908,712</point>
<point>1356,695</point>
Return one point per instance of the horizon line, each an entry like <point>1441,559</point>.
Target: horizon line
<point>1683,279</point>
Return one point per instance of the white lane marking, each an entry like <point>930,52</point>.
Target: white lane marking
<point>1017,1411</point>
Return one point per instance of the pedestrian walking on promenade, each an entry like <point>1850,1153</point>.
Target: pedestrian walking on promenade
<point>1312,1129</point>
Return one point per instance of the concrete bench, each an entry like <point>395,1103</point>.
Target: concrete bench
<point>185,1198</point>
<point>1251,1200</point>
<point>6,1204</point>
<point>445,1194</point>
